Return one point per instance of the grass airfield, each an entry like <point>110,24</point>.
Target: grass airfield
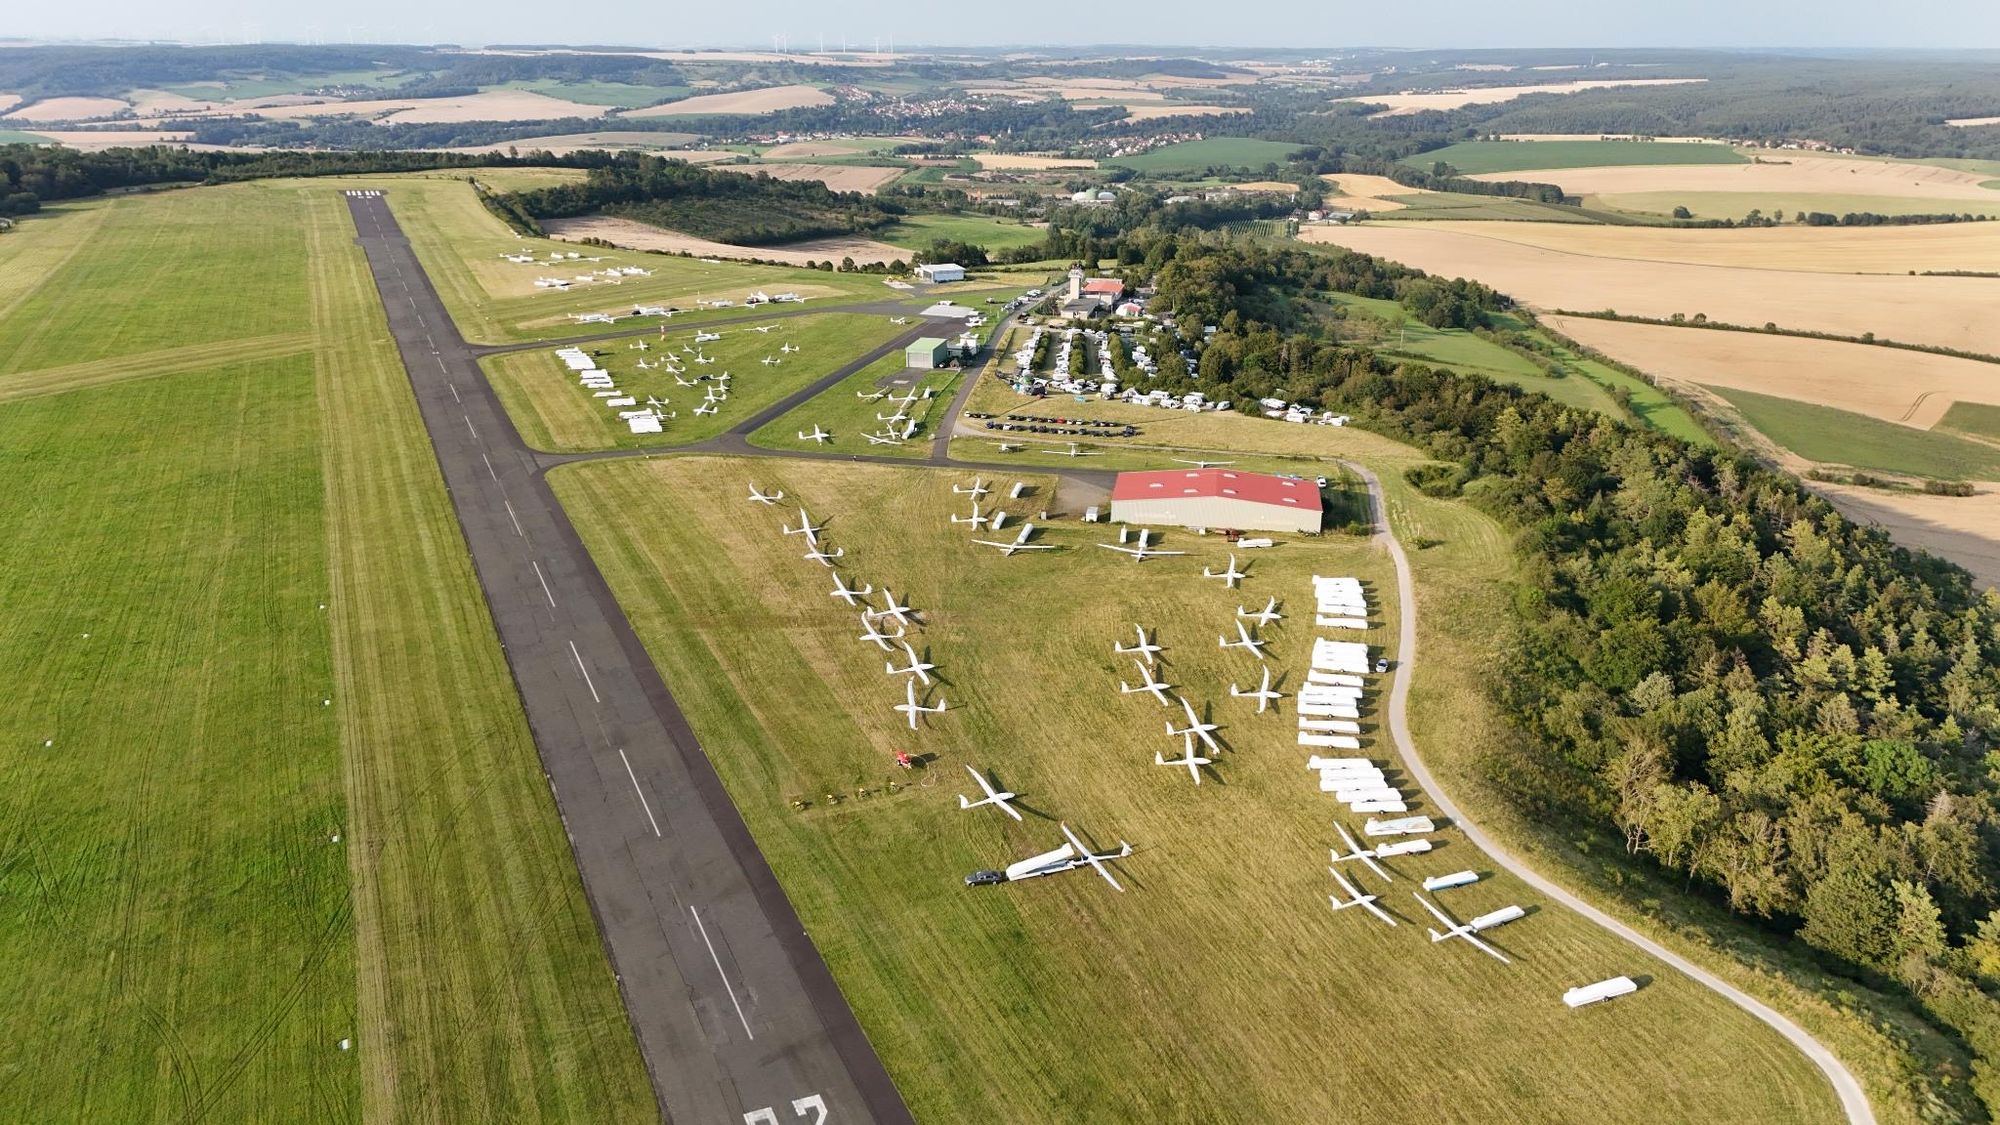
<point>1058,999</point>
<point>228,443</point>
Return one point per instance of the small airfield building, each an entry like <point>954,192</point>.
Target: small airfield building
<point>941,271</point>
<point>1218,498</point>
<point>927,353</point>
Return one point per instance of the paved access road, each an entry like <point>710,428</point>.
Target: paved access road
<point>737,1016</point>
<point>1852,1100</point>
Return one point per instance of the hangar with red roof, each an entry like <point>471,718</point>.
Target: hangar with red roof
<point>1218,498</point>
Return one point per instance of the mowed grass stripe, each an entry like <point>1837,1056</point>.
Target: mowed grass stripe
<point>172,361</point>
<point>484,991</point>
<point>178,938</point>
<point>184,268</point>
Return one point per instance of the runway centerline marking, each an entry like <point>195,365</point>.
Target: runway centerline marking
<point>454,390</point>
<point>643,802</point>
<point>579,664</point>
<point>552,605</point>
<point>511,519</point>
<point>489,466</point>
<point>468,426</point>
<point>718,971</point>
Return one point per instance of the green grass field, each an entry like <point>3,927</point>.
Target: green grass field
<point>981,230</point>
<point>17,137</point>
<point>1477,157</point>
<point>1736,204</point>
<point>240,614</point>
<point>842,411</point>
<point>1839,437</point>
<point>1193,156</point>
<point>555,413</point>
<point>1060,1000</point>
<point>1437,205</point>
<point>265,86</point>
<point>1976,419</point>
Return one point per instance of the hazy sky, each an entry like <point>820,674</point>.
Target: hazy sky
<point>1302,23</point>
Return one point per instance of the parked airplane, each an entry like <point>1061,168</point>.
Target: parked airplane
<point>910,707</point>
<point>1263,616</point>
<point>1069,857</point>
<point>1263,695</point>
<point>594,318</point>
<point>975,519</point>
<point>763,328</point>
<point>1230,576</point>
<point>1195,727</point>
<point>916,667</point>
<point>977,490</point>
<point>1147,684</point>
<point>882,439</point>
<point>1073,451</point>
<point>1470,930</point>
<point>687,383</point>
<point>1019,542</point>
<point>1144,649</point>
<point>1244,640</point>
<point>900,614</point>
<point>769,360</point>
<point>867,396</point>
<point>760,498</point>
<point>818,436</point>
<point>899,320</point>
<point>805,528</point>
<point>637,347</point>
<point>1368,856</point>
<point>1356,898</point>
<point>824,558</point>
<point>877,637</point>
<point>845,594</point>
<point>996,797</point>
<point>1008,447</point>
<point>1142,552</point>
<point>708,407</point>
<point>1206,464</point>
<point>1187,759</point>
<point>706,337</point>
<point>788,347</point>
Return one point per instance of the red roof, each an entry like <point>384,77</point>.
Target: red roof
<point>1109,285</point>
<point>1257,488</point>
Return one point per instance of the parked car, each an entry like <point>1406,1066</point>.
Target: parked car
<point>985,878</point>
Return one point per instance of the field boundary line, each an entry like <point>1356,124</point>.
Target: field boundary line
<point>1853,1101</point>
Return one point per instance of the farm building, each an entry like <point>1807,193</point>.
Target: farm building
<point>1217,498</point>
<point>941,271</point>
<point>927,353</point>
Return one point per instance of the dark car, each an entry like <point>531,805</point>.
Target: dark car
<point>985,878</point>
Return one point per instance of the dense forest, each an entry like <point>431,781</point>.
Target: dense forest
<point>748,210</point>
<point>1783,708</point>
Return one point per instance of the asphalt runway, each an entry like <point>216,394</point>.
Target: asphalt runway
<point>736,1014</point>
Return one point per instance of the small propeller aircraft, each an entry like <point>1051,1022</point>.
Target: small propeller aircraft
<point>817,437</point>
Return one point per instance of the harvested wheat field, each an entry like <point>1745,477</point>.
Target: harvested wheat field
<point>1959,528</point>
<point>1400,104</point>
<point>1373,192</point>
<point>807,150</point>
<point>154,103</point>
<point>658,144</point>
<point>68,109</point>
<point>1974,122</point>
<point>639,236</point>
<point>1885,249</point>
<point>487,105</point>
<point>7,102</point>
<point>1909,388</point>
<point>1019,162</point>
<point>770,99</point>
<point>839,177</point>
<point>1954,312</point>
<point>1797,174</point>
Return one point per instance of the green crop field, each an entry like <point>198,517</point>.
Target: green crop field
<point>241,624</point>
<point>1976,419</point>
<point>1476,157</point>
<point>264,86</point>
<point>1436,205</point>
<point>1210,152</point>
<point>915,231</point>
<point>17,137</point>
<point>842,411</point>
<point>1059,999</point>
<point>1839,437</point>
<point>623,95</point>
<point>555,413</point>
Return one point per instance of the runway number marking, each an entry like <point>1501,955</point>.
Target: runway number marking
<point>769,1116</point>
<point>579,658</point>
<point>740,1017</point>
<point>643,802</point>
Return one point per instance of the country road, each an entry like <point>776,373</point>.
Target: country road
<point>1852,1100</point>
